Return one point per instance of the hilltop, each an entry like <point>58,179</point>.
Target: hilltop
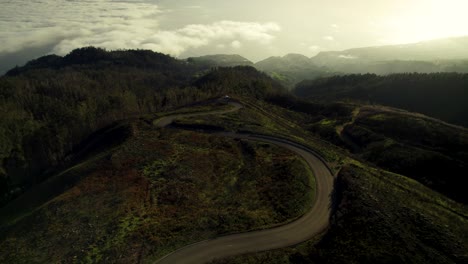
<point>221,60</point>
<point>291,69</point>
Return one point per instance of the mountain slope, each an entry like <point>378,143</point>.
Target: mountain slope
<point>377,210</point>
<point>287,62</point>
<point>433,50</point>
<point>422,148</point>
<point>133,192</point>
<point>220,60</point>
<point>157,191</point>
<point>380,218</point>
<point>290,69</point>
<point>441,95</point>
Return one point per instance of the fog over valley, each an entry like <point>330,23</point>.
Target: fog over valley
<point>253,29</point>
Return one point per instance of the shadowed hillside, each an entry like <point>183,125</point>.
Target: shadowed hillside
<point>441,95</point>
<point>220,60</point>
<point>423,148</point>
<point>52,104</point>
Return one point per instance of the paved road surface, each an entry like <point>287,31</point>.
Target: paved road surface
<point>309,225</point>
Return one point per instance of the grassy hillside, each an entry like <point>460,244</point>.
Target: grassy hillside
<point>417,146</point>
<point>427,150</point>
<point>381,218</point>
<point>158,191</point>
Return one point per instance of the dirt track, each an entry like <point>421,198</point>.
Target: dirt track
<point>302,229</point>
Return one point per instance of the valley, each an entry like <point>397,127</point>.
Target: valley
<point>137,157</point>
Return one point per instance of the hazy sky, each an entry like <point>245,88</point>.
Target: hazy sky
<point>255,29</point>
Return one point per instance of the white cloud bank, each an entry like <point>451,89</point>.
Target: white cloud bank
<point>66,25</point>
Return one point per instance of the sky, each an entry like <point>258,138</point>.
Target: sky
<point>255,29</point>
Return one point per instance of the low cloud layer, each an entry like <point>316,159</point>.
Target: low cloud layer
<point>65,25</point>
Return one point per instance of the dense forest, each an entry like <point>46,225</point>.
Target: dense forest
<point>440,95</point>
<point>53,103</point>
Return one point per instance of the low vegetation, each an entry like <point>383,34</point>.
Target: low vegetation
<point>158,191</point>
<point>423,148</point>
<point>101,184</point>
<point>381,217</point>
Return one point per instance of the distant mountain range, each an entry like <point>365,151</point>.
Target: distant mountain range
<point>433,50</point>
<point>221,60</point>
<point>291,69</point>
<point>441,55</point>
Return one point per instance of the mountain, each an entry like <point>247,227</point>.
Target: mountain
<point>221,60</point>
<point>432,50</point>
<point>439,55</point>
<point>442,55</point>
<point>290,69</point>
<point>287,62</point>
<point>398,66</point>
<point>89,175</point>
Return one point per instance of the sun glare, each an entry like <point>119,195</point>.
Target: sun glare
<point>425,20</point>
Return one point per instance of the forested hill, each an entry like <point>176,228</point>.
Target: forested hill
<point>220,60</point>
<point>440,95</point>
<point>51,104</point>
<point>100,58</point>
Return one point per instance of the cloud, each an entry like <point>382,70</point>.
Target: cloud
<point>314,48</point>
<point>329,38</point>
<point>67,25</point>
<point>335,28</point>
<point>347,57</point>
<point>198,35</point>
<point>236,44</point>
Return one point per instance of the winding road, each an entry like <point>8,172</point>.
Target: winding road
<point>304,228</point>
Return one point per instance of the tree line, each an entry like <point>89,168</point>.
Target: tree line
<point>440,95</point>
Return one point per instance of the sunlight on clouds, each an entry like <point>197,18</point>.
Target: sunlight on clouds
<point>114,25</point>
<point>195,36</point>
<point>185,28</point>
